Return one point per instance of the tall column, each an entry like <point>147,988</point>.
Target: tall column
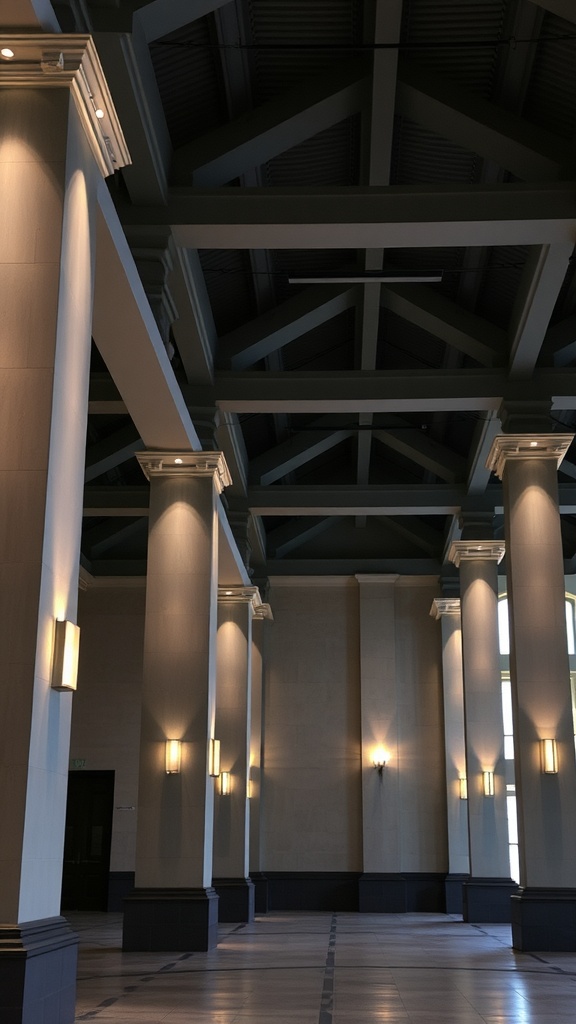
<point>236,607</point>
<point>381,886</point>
<point>487,893</point>
<point>544,911</point>
<point>255,781</point>
<point>53,156</point>
<point>447,609</point>
<point>174,905</point>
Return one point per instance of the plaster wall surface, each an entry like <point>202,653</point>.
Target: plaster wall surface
<point>106,715</point>
<point>312,772</point>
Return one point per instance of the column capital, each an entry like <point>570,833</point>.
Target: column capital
<point>186,464</point>
<point>526,446</point>
<point>468,550</point>
<point>69,61</point>
<point>445,606</point>
<point>240,595</point>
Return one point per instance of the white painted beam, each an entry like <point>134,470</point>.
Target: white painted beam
<point>111,452</point>
<point>528,151</point>
<point>424,451</point>
<point>399,216</point>
<point>284,458</point>
<point>282,324</point>
<point>266,131</point>
<point>333,500</point>
<point>291,536</point>
<point>444,319</point>
<point>539,288</point>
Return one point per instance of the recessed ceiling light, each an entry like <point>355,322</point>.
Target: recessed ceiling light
<point>99,112</point>
<point>533,444</point>
<point>7,53</point>
<point>178,462</point>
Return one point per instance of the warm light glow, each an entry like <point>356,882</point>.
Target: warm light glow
<point>214,759</point>
<point>7,53</point>
<point>65,655</point>
<point>549,757</point>
<point>173,756</point>
<point>99,113</point>
<point>463,781</point>
<point>177,462</point>
<point>225,783</point>
<point>533,444</point>
<point>488,783</point>
<point>380,758</point>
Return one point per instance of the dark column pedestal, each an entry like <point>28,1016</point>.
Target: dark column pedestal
<point>163,920</point>
<point>236,899</point>
<point>454,893</point>
<point>38,962</point>
<point>260,881</point>
<point>488,899</point>
<point>544,919</point>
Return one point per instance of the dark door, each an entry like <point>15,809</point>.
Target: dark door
<point>87,841</point>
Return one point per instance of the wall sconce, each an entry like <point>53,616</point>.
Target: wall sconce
<point>225,783</point>
<point>65,655</point>
<point>380,759</point>
<point>173,756</point>
<point>214,759</point>
<point>548,757</point>
<point>463,783</point>
<point>488,783</point>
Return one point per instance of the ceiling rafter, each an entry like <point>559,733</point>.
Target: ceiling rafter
<point>278,462</point>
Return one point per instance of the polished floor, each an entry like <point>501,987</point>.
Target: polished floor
<point>326,969</point>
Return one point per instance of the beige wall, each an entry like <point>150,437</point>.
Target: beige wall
<point>106,714</point>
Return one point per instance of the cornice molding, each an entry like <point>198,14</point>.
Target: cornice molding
<point>445,606</point>
<point>57,61</point>
<point>472,550</point>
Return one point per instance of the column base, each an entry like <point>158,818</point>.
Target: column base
<point>454,895</point>
<point>162,920</point>
<point>260,881</point>
<point>235,899</point>
<point>488,900</point>
<point>38,963</point>
<point>544,919</point>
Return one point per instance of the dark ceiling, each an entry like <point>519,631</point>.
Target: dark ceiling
<point>273,140</point>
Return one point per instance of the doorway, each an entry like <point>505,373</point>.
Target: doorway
<point>87,841</point>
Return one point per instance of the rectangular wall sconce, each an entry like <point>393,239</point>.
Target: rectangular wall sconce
<point>214,759</point>
<point>225,783</point>
<point>65,655</point>
<point>548,757</point>
<point>463,782</point>
<point>173,756</point>
<point>488,783</point>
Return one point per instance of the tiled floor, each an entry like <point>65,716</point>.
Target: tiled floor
<point>326,969</point>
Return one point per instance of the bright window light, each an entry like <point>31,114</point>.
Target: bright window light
<point>570,627</point>
<point>503,630</point>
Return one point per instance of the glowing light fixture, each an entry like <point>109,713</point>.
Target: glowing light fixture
<point>7,53</point>
<point>177,462</point>
<point>380,759</point>
<point>173,756</point>
<point>548,757</point>
<point>65,655</point>
<point>214,759</point>
<point>225,783</point>
<point>463,782</point>
<point>99,113</point>
<point>488,783</point>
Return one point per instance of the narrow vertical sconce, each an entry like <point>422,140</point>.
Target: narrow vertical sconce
<point>225,783</point>
<point>548,757</point>
<point>65,655</point>
<point>488,783</point>
<point>380,759</point>
<point>173,756</point>
<point>214,759</point>
<point>463,782</point>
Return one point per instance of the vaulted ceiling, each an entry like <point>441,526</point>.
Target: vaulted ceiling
<point>287,156</point>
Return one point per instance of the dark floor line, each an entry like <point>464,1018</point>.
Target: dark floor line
<point>327,997</point>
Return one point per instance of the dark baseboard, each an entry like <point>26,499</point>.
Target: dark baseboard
<point>166,920</point>
<point>401,893</point>
<point>235,899</point>
<point>488,900</point>
<point>544,919</point>
<point>38,963</point>
<point>454,893</point>
<point>120,885</point>
<point>312,890</point>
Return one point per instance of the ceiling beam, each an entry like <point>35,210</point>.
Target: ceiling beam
<point>417,532</point>
<point>284,458</point>
<point>560,341</point>
<point>444,319</point>
<point>264,132</point>
<point>540,285</point>
<point>291,536</point>
<point>528,151</point>
<point>334,500</point>
<point>425,452</point>
<point>116,501</point>
<point>355,217</point>
<point>282,324</point>
<point>112,451</point>
<point>563,8</point>
<point>381,391</point>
